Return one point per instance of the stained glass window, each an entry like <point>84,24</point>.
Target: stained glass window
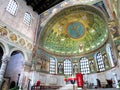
<point>100,63</point>
<point>67,67</point>
<point>52,65</point>
<point>84,65</point>
<point>27,18</point>
<point>12,7</point>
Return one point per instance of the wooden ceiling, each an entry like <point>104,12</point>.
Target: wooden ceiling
<point>40,6</point>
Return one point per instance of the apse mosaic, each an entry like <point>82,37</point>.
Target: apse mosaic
<point>99,61</point>
<point>73,31</point>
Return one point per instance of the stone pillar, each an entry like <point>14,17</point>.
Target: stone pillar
<point>116,81</point>
<point>2,69</point>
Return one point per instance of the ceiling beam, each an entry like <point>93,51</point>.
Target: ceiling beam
<point>40,6</point>
<point>29,2</point>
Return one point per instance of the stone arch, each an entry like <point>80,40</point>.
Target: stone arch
<point>23,52</point>
<point>1,55</point>
<point>5,48</point>
<point>15,65</point>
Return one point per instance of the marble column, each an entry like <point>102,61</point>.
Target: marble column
<point>3,68</point>
<point>115,79</point>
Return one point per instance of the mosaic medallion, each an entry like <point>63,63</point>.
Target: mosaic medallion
<point>75,29</point>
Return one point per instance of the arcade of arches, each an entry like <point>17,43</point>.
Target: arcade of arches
<point>69,38</point>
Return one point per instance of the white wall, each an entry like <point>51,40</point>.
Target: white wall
<point>16,21</point>
<point>47,79</point>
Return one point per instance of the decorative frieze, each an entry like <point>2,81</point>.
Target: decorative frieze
<point>15,38</point>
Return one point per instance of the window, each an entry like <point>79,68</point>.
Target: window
<point>52,65</point>
<point>67,67</point>
<point>27,18</point>
<point>12,7</point>
<point>100,62</point>
<point>84,65</point>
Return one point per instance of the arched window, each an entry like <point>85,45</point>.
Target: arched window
<point>68,67</point>
<point>84,65</point>
<point>52,65</point>
<point>27,18</point>
<point>100,63</point>
<point>12,7</point>
<point>110,54</point>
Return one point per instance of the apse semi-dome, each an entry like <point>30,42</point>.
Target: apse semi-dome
<point>75,30</point>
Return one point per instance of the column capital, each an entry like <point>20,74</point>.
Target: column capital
<point>5,59</point>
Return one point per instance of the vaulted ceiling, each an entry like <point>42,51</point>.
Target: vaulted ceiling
<point>40,6</point>
<point>75,30</point>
